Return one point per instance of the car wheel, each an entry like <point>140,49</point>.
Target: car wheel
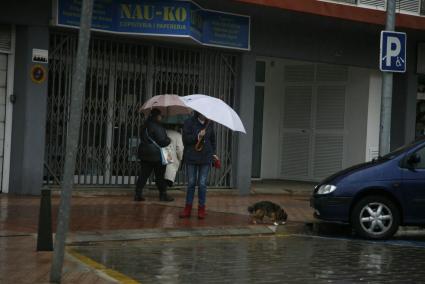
<point>375,217</point>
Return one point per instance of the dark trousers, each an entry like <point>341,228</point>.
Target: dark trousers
<point>146,169</point>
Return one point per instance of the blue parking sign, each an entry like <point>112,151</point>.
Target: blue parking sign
<point>393,52</point>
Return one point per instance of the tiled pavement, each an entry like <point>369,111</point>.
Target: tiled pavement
<point>19,263</point>
<point>297,206</point>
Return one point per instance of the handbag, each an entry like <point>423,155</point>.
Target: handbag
<point>166,157</point>
<point>217,163</point>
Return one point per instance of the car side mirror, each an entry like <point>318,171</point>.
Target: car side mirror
<point>413,160</point>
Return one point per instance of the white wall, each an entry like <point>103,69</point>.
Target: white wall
<point>360,119</point>
<point>373,115</point>
<point>273,101</point>
<point>356,116</point>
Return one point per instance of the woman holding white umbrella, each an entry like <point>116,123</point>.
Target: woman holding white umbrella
<point>199,154</point>
<point>200,145</point>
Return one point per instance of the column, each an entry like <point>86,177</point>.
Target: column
<point>29,116</point>
<point>246,112</point>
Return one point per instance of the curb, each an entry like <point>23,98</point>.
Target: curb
<point>179,192</point>
<point>89,238</point>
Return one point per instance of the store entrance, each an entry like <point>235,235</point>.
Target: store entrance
<point>121,76</point>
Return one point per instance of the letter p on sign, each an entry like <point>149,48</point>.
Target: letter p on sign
<point>393,52</point>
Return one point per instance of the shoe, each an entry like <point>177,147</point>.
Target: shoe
<point>138,197</point>
<point>186,211</point>
<point>165,197</point>
<point>201,212</point>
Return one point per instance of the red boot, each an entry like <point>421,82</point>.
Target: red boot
<point>201,212</point>
<point>186,211</point>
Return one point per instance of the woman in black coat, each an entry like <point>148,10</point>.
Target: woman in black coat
<point>150,156</point>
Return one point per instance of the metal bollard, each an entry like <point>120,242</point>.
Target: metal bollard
<point>44,236</point>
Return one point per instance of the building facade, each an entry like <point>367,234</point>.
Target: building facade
<point>307,88</point>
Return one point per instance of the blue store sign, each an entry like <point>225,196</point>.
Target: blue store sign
<point>162,18</point>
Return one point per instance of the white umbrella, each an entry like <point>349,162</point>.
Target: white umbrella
<point>167,104</point>
<point>214,109</point>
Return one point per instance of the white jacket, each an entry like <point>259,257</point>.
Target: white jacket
<point>176,148</point>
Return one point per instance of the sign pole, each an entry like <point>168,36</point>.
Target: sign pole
<point>78,91</point>
<point>387,91</point>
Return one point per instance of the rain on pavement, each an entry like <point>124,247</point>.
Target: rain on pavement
<point>277,259</point>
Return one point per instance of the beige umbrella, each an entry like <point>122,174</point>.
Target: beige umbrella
<point>168,105</point>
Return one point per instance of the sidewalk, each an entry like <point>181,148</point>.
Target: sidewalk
<point>19,263</point>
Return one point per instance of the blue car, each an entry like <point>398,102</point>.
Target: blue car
<point>377,197</point>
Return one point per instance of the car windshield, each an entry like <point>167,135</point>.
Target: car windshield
<point>402,149</point>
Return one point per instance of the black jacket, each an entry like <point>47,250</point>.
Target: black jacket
<point>148,152</point>
<point>191,129</point>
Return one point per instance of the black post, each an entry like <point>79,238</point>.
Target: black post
<point>44,236</point>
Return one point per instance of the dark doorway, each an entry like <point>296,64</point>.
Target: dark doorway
<point>258,119</point>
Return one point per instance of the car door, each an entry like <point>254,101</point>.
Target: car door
<point>413,186</point>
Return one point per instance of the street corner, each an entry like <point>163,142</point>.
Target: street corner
<point>104,274</point>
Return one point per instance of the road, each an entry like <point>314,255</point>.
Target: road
<point>259,259</point>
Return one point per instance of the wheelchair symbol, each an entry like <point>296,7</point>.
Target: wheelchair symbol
<point>399,62</point>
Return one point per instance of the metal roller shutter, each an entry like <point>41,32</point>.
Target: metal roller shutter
<point>122,74</point>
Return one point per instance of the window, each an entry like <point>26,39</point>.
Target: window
<point>421,154</point>
<point>408,6</point>
<point>347,1</point>
<point>260,72</point>
<point>260,79</point>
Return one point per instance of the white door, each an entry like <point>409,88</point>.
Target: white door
<point>313,120</point>
<point>296,134</point>
<point>329,130</point>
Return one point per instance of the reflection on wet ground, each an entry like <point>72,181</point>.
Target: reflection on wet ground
<point>290,259</point>
<point>19,214</point>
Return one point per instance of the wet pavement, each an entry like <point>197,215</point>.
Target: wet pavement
<point>96,213</point>
<point>278,259</point>
<point>117,217</point>
<point>152,245</point>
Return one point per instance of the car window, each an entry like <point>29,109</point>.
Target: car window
<point>403,149</point>
<point>421,154</point>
